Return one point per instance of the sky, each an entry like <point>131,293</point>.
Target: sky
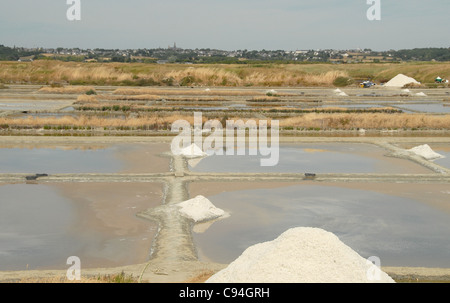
<point>226,24</point>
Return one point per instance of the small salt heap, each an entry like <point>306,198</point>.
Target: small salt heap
<point>425,152</point>
<point>200,209</point>
<point>338,92</point>
<point>193,151</point>
<point>301,255</point>
<point>421,94</point>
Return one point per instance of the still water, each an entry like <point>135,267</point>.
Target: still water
<point>398,229</point>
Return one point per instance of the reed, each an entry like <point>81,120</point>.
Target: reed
<point>337,121</point>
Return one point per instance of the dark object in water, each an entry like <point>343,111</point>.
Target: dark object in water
<point>310,175</point>
<point>29,178</point>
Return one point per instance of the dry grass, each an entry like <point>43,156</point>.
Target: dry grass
<point>84,121</point>
<point>82,99</point>
<point>187,92</point>
<point>66,89</point>
<point>236,75</point>
<point>348,121</point>
<point>341,121</point>
<point>113,278</point>
<point>144,97</point>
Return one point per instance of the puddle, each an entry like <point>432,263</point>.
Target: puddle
<point>135,158</point>
<point>394,226</point>
<point>42,225</point>
<point>313,158</point>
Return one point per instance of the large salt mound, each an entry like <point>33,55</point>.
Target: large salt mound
<point>200,209</point>
<point>425,152</point>
<point>400,80</point>
<point>301,255</point>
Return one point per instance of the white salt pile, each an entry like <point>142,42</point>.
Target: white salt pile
<point>338,92</point>
<point>193,151</point>
<point>301,255</point>
<point>400,80</point>
<point>421,94</point>
<point>425,152</point>
<point>200,209</point>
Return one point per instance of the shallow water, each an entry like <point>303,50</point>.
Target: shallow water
<point>311,158</point>
<point>445,162</point>
<point>51,159</point>
<point>399,230</point>
<point>43,225</point>
<point>32,105</point>
<point>425,108</point>
<point>58,160</point>
<point>34,224</point>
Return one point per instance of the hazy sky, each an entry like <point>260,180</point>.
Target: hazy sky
<point>226,24</point>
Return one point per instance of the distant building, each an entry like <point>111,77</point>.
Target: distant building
<point>174,46</point>
<point>26,59</point>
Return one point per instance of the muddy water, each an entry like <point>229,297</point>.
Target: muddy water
<point>391,224</point>
<point>42,225</point>
<point>313,158</point>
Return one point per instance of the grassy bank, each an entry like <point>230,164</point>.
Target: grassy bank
<point>312,121</point>
<point>265,75</point>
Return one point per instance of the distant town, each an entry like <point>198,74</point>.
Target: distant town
<point>175,54</point>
